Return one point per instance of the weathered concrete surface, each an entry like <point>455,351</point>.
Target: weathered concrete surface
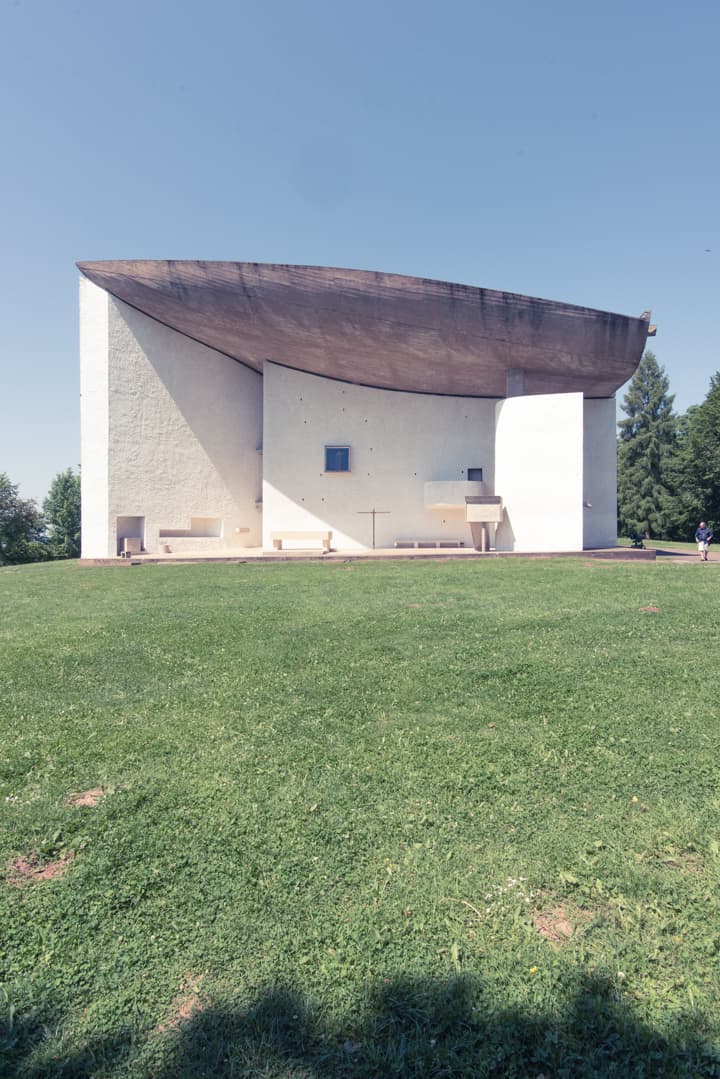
<point>383,330</point>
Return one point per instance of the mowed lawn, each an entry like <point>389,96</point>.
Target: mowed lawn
<point>360,819</point>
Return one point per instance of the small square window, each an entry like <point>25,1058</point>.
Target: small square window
<point>475,474</point>
<point>337,458</point>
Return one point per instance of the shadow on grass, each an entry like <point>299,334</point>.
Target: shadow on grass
<point>409,1028</point>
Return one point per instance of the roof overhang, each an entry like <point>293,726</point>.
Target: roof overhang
<point>384,330</point>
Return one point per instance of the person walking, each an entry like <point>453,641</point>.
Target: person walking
<point>703,535</point>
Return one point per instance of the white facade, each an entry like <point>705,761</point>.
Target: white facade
<point>170,436</point>
<point>185,448</point>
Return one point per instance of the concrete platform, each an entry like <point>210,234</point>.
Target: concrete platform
<point>408,554</point>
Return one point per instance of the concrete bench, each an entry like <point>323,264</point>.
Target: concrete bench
<point>323,538</point>
<point>429,543</point>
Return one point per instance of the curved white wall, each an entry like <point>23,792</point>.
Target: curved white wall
<point>398,442</point>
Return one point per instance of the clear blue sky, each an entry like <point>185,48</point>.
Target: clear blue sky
<point>563,150</point>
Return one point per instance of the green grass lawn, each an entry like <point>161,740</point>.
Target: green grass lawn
<point>681,546</point>
<point>361,819</point>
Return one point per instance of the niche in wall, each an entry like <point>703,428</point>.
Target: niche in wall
<point>200,528</point>
<point>129,528</point>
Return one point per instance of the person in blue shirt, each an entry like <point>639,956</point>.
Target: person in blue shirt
<point>703,535</point>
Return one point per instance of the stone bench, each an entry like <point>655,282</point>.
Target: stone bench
<point>429,543</point>
<point>323,538</point>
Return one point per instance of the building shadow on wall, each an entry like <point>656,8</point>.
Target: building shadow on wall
<point>200,404</point>
<point>505,535</point>
<point>405,1028</point>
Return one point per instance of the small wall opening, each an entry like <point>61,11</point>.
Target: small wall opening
<point>200,528</point>
<point>130,528</point>
<point>337,458</point>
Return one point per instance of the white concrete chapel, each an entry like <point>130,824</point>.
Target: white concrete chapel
<point>228,406</point>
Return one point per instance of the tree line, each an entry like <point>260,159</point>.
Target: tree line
<point>668,463</point>
<point>28,534</point>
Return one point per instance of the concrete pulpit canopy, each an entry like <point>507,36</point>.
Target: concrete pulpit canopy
<point>383,330</point>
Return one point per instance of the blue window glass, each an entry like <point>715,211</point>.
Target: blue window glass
<point>337,458</point>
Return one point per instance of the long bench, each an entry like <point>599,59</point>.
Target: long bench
<point>323,538</point>
<point>429,543</point>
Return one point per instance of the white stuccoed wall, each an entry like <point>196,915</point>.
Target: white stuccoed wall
<point>539,472</point>
<point>94,419</point>
<point>600,473</point>
<point>184,427</point>
<point>398,441</point>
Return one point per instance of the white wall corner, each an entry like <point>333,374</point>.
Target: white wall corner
<point>539,472</point>
<point>94,418</point>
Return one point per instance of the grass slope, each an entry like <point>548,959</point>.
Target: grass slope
<point>361,819</point>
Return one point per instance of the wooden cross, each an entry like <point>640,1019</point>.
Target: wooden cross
<point>374,513</point>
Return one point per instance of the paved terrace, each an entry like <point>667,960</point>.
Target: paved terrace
<point>257,554</point>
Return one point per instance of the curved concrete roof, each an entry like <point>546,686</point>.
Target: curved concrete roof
<point>385,330</point>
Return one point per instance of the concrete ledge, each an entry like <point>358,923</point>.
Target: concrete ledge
<point>254,554</point>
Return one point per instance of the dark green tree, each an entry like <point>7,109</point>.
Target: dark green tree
<point>22,529</point>
<point>687,505</point>
<point>62,512</point>
<point>698,465</point>
<point>646,445</point>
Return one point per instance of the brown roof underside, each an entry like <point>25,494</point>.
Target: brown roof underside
<point>385,330</point>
